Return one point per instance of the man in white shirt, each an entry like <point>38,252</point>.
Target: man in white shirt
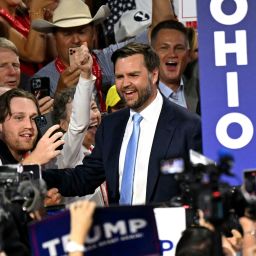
<point>166,131</point>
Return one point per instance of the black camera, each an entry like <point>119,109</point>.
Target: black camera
<point>202,188</point>
<point>22,191</point>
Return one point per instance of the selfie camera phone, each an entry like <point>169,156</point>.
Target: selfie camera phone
<point>40,87</point>
<point>43,123</point>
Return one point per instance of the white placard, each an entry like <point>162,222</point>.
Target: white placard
<point>171,222</point>
<point>186,10</point>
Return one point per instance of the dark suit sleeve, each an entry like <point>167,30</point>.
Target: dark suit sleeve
<point>83,179</point>
<point>195,135</point>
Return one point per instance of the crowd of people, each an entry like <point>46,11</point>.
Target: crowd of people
<point>118,110</point>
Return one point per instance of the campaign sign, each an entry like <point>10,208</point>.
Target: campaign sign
<point>171,222</point>
<point>227,39</point>
<point>115,231</point>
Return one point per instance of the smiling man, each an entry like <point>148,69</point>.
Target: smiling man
<point>166,131</point>
<point>170,41</point>
<point>18,131</point>
<point>9,64</point>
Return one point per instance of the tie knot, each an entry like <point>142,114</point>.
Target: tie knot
<point>137,118</point>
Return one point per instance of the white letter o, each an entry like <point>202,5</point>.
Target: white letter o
<point>236,17</point>
<point>247,130</point>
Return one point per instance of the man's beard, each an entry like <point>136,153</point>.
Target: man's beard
<point>143,95</point>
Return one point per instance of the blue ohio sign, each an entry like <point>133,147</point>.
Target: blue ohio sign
<point>227,61</point>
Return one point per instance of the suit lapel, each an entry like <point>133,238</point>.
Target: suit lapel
<point>117,128</point>
<point>162,139</point>
<point>191,93</point>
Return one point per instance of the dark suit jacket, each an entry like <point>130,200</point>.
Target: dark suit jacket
<point>177,131</point>
<point>191,88</point>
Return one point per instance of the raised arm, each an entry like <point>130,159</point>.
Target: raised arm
<point>33,48</point>
<point>161,10</point>
<point>71,154</point>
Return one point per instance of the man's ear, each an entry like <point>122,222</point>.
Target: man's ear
<point>155,75</point>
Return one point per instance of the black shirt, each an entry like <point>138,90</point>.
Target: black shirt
<point>5,154</point>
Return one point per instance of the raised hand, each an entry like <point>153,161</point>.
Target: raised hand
<point>46,148</point>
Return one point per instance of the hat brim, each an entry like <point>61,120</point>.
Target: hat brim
<point>44,26</point>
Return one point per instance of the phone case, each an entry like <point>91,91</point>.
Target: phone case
<point>71,53</point>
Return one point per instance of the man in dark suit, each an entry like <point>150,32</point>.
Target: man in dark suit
<point>170,41</point>
<point>166,131</point>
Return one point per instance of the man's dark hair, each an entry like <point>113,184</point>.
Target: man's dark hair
<point>151,59</point>
<point>168,24</point>
<point>59,106</point>
<point>5,101</point>
<point>197,241</point>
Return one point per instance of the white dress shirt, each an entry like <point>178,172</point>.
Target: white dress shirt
<point>147,131</point>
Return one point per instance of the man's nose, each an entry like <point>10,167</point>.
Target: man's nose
<point>126,82</point>
<point>28,123</point>
<point>172,51</point>
<point>76,39</point>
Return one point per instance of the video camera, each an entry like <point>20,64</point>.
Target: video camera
<point>22,184</point>
<point>22,191</point>
<point>202,188</point>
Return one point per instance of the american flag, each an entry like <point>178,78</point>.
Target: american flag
<point>117,7</point>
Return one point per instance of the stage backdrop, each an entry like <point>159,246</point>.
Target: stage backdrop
<point>227,59</point>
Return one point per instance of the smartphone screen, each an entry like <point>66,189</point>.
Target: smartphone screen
<point>40,86</point>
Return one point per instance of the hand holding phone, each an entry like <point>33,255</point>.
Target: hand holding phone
<point>48,145</point>
<point>80,57</point>
<point>46,126</point>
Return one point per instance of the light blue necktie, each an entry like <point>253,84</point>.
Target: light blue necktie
<point>130,161</point>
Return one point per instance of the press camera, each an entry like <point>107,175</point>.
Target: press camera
<point>202,188</point>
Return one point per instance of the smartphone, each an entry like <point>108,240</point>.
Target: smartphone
<point>71,54</point>
<point>40,86</point>
<point>43,123</point>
